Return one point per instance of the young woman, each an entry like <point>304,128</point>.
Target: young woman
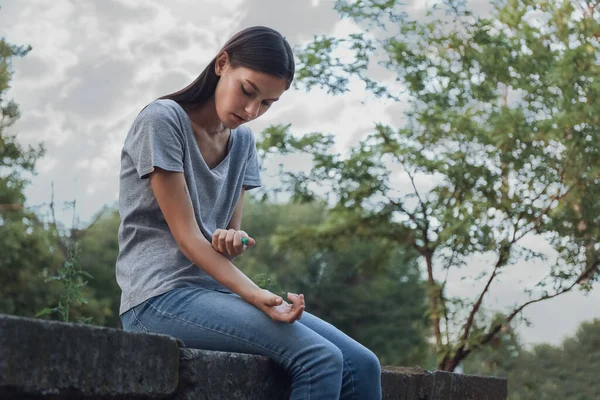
<point>185,165</point>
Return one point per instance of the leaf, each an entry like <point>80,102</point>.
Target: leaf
<point>46,311</point>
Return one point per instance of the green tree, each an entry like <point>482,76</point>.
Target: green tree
<point>99,247</point>
<point>27,249</point>
<point>504,354</point>
<point>567,371</point>
<point>35,269</point>
<point>502,121</point>
<point>368,288</point>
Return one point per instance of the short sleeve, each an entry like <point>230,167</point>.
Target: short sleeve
<point>156,140</point>
<point>252,172</point>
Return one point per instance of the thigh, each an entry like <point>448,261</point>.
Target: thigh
<point>212,320</point>
<point>345,343</point>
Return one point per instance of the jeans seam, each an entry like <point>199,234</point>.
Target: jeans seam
<point>350,372</point>
<point>237,338</point>
<point>138,322</point>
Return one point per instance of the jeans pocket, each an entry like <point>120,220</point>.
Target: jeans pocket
<point>130,321</point>
<point>136,320</point>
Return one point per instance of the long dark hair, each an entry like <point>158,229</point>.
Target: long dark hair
<point>258,48</point>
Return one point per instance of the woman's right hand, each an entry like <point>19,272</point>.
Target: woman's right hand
<point>278,309</point>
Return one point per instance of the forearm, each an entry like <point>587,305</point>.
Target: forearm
<point>198,250</point>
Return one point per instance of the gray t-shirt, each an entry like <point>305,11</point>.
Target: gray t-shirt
<point>150,262</point>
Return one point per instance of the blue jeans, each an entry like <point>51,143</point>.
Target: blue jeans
<point>322,361</point>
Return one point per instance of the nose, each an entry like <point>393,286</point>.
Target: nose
<point>252,109</point>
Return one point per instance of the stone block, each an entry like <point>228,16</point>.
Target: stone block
<point>64,360</point>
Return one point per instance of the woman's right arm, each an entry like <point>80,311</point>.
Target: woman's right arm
<point>170,190</point>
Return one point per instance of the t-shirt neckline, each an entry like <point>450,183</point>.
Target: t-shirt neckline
<point>225,159</point>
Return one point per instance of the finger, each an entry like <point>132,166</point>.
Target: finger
<point>292,297</point>
<point>248,240</point>
<point>229,242</point>
<point>222,237</point>
<point>294,313</point>
<point>276,301</point>
<point>298,313</point>
<point>297,305</point>
<point>215,239</point>
<point>238,246</point>
<point>245,239</point>
<point>296,299</point>
<point>300,306</point>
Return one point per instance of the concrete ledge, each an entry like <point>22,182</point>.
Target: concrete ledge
<point>415,384</point>
<point>217,375</point>
<point>53,360</point>
<point>47,358</point>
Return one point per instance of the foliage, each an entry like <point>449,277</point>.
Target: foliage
<point>500,142</point>
<point>70,276</point>
<point>99,248</point>
<point>27,249</point>
<point>30,247</point>
<point>548,372</point>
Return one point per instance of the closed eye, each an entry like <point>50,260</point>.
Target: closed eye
<point>246,92</point>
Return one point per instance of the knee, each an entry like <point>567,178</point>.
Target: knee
<point>318,355</point>
<point>367,361</point>
<point>331,356</point>
<point>319,361</point>
<point>322,358</point>
<point>318,372</point>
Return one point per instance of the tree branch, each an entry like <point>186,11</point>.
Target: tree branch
<point>536,223</point>
<point>522,213</point>
<point>477,305</point>
<point>463,352</point>
<point>412,180</point>
<point>412,216</point>
<point>386,140</point>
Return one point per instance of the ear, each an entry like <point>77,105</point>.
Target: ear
<point>221,63</point>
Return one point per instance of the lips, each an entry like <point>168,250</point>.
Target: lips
<point>239,119</point>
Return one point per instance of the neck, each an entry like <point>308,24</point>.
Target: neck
<point>205,118</point>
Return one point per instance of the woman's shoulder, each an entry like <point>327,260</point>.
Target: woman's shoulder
<point>160,108</point>
<point>245,134</point>
<point>160,116</point>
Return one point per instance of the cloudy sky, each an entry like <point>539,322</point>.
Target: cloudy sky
<point>95,64</point>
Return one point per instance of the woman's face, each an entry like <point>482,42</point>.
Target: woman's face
<point>243,94</point>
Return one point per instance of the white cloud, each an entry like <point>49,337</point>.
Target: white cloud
<point>46,165</point>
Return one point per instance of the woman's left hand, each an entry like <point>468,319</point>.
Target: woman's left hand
<point>229,241</point>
